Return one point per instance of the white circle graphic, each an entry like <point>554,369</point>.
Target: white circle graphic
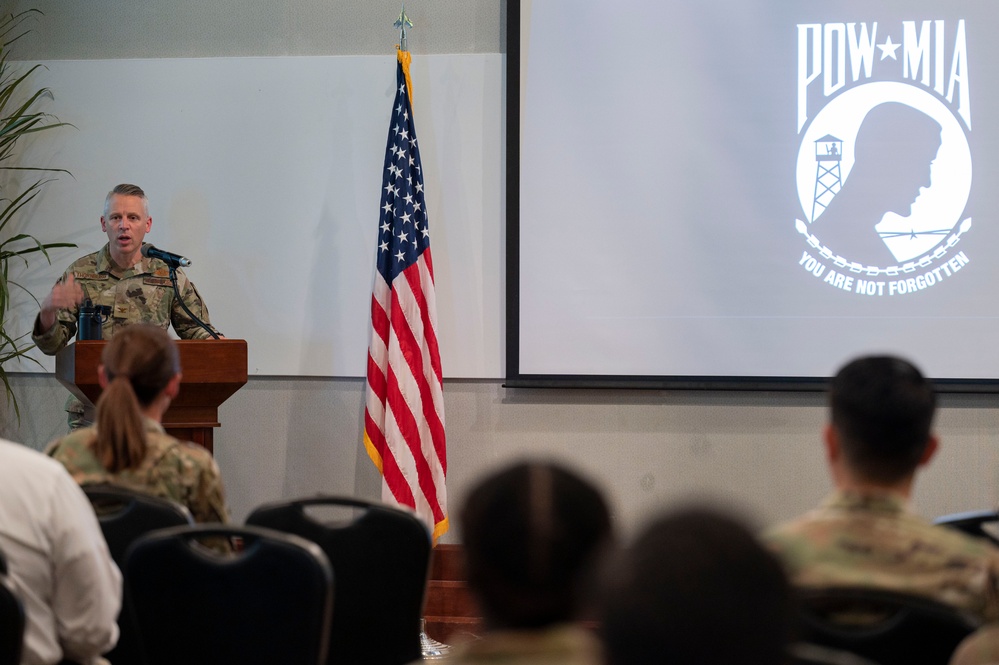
<point>939,206</point>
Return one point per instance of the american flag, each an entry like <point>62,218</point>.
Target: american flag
<point>404,412</point>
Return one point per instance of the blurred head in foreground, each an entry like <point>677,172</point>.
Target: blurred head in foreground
<point>695,587</point>
<point>532,534</point>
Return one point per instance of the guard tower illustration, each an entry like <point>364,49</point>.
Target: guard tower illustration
<point>828,179</point>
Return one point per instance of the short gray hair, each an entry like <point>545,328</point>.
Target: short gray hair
<point>125,189</point>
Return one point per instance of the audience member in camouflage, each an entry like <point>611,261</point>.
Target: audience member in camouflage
<point>857,539</point>
<point>140,375</point>
<point>879,436</point>
<point>171,469</point>
<point>134,288</point>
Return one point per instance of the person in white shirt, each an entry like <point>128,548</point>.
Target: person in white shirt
<point>57,561</point>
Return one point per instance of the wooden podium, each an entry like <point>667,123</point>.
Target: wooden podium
<point>212,371</point>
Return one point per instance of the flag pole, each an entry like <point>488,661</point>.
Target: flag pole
<point>430,648</point>
<point>402,23</point>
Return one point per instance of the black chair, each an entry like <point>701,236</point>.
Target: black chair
<point>126,515</point>
<point>884,626</point>
<point>974,523</point>
<point>381,556</point>
<point>11,620</point>
<point>268,603</point>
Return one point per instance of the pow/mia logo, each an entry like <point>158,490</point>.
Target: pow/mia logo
<point>884,166</point>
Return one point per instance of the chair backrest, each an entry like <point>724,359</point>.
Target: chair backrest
<point>884,626</point>
<point>126,514</point>
<point>11,620</point>
<point>978,523</point>
<point>381,557</point>
<point>270,602</point>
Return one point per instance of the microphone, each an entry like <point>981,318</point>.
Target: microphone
<point>175,260</point>
<point>169,258</point>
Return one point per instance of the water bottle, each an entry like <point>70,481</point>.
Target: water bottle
<point>89,322</point>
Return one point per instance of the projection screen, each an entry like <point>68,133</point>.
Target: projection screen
<point>748,194</point>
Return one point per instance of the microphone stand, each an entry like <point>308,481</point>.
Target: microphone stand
<point>176,290</point>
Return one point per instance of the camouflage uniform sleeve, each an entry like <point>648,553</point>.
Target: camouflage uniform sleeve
<point>215,493</point>
<point>73,452</point>
<point>207,500</point>
<point>52,341</point>
<point>186,327</point>
<point>777,540</point>
<point>62,332</point>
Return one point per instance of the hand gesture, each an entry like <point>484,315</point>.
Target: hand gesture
<point>64,294</point>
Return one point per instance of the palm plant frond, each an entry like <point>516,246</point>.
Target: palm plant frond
<point>20,117</point>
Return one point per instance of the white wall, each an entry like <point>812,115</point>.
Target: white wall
<point>267,173</point>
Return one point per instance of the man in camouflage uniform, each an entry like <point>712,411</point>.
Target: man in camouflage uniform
<point>864,534</point>
<point>172,469</point>
<point>135,288</point>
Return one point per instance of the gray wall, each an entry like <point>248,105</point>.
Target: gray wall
<point>757,451</point>
<point>286,437</point>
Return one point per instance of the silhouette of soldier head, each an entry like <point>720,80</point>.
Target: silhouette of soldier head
<point>894,149</point>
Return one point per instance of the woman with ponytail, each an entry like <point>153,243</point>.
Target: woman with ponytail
<point>140,375</point>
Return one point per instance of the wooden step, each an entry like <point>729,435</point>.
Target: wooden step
<point>450,612</point>
<point>448,563</point>
<point>450,599</point>
<point>453,630</point>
